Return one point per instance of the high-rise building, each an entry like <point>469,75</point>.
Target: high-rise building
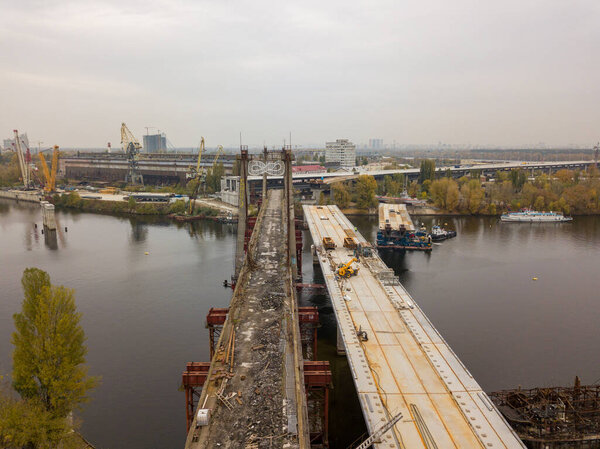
<point>375,144</point>
<point>342,152</point>
<point>9,144</point>
<point>155,143</point>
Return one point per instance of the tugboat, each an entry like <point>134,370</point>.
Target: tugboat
<point>438,234</point>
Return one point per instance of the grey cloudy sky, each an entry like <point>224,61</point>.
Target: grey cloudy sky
<point>462,71</point>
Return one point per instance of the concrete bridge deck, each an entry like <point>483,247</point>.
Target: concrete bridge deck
<point>255,384</point>
<point>395,215</point>
<point>405,365</point>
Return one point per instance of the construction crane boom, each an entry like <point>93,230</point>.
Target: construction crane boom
<point>49,175</point>
<point>131,147</point>
<point>24,160</point>
<point>194,173</point>
<point>127,137</point>
<point>219,153</point>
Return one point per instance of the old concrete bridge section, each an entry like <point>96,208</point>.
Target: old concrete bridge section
<point>253,391</point>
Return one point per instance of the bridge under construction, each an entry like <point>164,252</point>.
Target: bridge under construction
<point>263,387</point>
<point>399,361</point>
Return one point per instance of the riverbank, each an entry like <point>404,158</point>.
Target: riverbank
<point>417,211</point>
<point>176,210</point>
<point>433,211</point>
<point>21,195</point>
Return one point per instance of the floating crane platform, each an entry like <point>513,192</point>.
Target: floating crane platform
<point>399,361</point>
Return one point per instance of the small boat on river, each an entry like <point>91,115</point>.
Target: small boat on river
<point>438,234</point>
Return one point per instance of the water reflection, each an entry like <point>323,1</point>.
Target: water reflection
<point>50,239</point>
<point>139,230</point>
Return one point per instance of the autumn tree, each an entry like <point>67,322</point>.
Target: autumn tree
<point>341,196</point>
<point>452,195</point>
<point>427,170</point>
<point>49,354</point>
<point>444,192</point>
<point>25,423</point>
<point>473,195</point>
<point>518,178</point>
<point>365,191</point>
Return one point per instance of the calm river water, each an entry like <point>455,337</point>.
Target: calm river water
<point>144,314</point>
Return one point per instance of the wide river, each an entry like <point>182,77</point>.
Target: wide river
<point>144,315</point>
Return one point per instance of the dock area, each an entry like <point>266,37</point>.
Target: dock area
<point>396,215</point>
<point>399,361</point>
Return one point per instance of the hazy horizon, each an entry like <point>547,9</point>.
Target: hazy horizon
<point>509,74</point>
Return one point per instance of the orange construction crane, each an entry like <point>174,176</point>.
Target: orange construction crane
<point>50,175</point>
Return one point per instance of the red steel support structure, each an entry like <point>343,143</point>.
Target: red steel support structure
<point>317,382</point>
<point>193,378</point>
<point>308,317</point>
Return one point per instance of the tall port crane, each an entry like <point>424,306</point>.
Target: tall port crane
<point>200,174</point>
<point>195,172</point>
<point>24,161</point>
<point>49,175</point>
<point>131,147</point>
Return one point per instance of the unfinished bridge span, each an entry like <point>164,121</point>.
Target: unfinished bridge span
<point>263,387</point>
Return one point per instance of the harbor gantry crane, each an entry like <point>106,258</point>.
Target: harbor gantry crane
<point>49,175</point>
<point>131,147</point>
<point>24,161</point>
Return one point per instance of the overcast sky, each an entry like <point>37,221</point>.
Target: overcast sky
<point>481,72</point>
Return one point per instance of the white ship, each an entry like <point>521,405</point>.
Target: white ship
<point>532,216</point>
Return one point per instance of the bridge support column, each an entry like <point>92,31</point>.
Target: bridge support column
<point>289,205</point>
<point>341,350</point>
<point>264,183</point>
<point>243,211</point>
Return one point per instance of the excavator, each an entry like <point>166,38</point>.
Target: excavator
<point>49,174</point>
<point>345,270</point>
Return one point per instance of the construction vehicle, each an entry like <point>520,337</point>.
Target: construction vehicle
<point>131,147</point>
<point>328,243</point>
<point>349,242</point>
<point>49,174</point>
<point>346,270</point>
<point>24,161</point>
<point>364,249</point>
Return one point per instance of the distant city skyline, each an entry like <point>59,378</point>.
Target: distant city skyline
<point>504,74</point>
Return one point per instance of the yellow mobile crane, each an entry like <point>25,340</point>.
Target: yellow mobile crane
<point>50,175</point>
<point>345,270</point>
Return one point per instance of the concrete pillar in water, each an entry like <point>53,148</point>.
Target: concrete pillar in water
<point>243,211</point>
<point>341,350</point>
<point>48,217</point>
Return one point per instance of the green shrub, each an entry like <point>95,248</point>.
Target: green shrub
<point>178,207</point>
